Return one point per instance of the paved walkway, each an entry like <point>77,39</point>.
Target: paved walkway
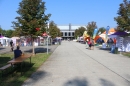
<point>71,64</point>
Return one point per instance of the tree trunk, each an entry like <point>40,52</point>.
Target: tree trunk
<point>33,50</point>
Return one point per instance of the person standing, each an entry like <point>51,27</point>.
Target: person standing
<point>92,44</point>
<point>11,45</point>
<point>87,45</point>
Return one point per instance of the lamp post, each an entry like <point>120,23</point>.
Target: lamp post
<point>107,31</point>
<point>47,35</point>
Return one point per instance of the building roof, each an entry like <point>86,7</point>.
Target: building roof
<point>66,27</point>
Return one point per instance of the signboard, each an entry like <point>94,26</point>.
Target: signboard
<point>120,48</point>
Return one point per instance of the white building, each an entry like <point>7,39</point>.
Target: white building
<point>68,31</point>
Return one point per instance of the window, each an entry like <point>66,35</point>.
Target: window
<point>69,33</point>
<point>65,33</point>
<point>72,33</point>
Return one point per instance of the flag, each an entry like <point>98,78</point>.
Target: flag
<point>95,32</point>
<point>107,30</point>
<point>85,36</point>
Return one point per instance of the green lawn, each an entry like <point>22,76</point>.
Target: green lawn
<point>17,79</point>
<point>126,54</point>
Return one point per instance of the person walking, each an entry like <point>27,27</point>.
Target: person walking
<point>92,44</point>
<point>11,45</point>
<point>89,43</point>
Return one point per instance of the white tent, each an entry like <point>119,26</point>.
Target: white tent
<point>14,39</point>
<point>5,41</point>
<point>113,36</point>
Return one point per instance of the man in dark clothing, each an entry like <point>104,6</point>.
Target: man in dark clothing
<point>17,52</point>
<point>11,45</point>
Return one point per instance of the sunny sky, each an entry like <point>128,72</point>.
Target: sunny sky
<point>76,12</point>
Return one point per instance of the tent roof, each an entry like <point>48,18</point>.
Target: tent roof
<point>4,38</point>
<point>120,33</point>
<point>111,31</point>
<point>15,38</point>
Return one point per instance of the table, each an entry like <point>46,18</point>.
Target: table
<point>20,59</point>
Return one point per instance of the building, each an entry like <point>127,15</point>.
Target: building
<point>68,31</point>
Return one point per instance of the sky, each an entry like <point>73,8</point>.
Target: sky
<point>64,12</point>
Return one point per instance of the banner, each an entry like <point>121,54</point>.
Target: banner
<point>95,33</point>
<point>85,36</point>
<point>107,30</point>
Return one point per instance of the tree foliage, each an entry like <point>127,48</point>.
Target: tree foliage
<point>101,30</point>
<point>123,20</point>
<point>32,16</point>
<point>6,33</point>
<point>9,33</point>
<point>0,30</point>
<point>54,31</point>
<point>79,31</point>
<point>90,28</point>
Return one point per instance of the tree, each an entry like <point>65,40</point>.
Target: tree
<point>90,28</point>
<point>101,30</point>
<point>17,30</point>
<point>32,16</point>
<point>54,31</point>
<point>79,31</point>
<point>76,33</point>
<point>0,31</point>
<point>123,20</point>
<point>9,33</point>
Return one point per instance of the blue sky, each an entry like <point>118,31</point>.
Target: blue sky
<point>76,12</point>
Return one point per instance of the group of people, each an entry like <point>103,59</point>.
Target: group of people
<point>17,51</point>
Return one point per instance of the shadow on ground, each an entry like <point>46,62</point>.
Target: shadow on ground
<point>3,60</point>
<point>39,75</point>
<point>38,50</point>
<point>106,83</point>
<point>77,82</point>
<point>84,82</point>
<point>1,48</point>
<point>106,49</point>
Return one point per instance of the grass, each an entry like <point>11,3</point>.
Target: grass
<point>126,54</point>
<point>17,79</point>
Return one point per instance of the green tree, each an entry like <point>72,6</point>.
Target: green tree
<point>90,28</point>
<point>54,31</point>
<point>79,31</point>
<point>76,33</point>
<point>0,31</point>
<point>17,30</point>
<point>9,33</point>
<point>32,16</point>
<point>123,20</point>
<point>4,32</point>
<point>101,30</point>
